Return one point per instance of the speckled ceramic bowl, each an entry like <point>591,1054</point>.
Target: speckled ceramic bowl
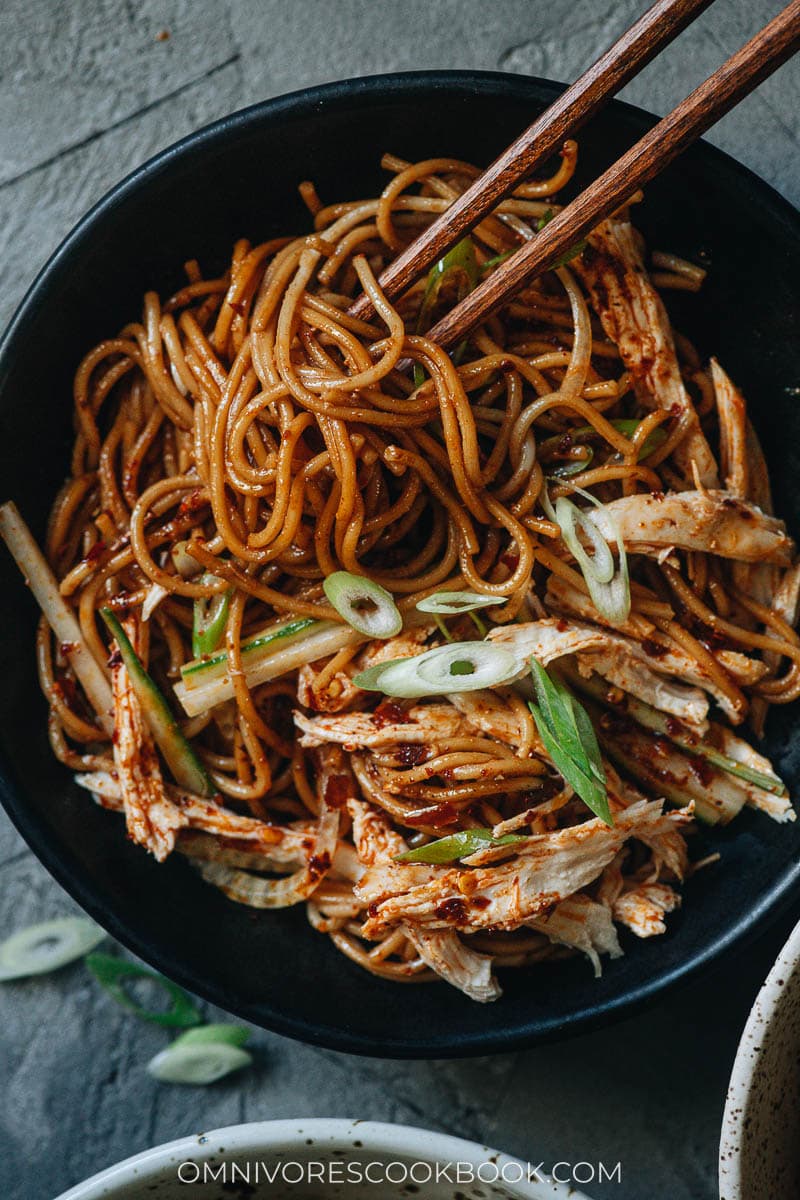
<point>311,1160</point>
<point>759,1156</point>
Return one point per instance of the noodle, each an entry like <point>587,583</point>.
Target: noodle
<point>247,438</point>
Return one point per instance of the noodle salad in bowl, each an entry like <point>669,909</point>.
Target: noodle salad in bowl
<point>456,650</point>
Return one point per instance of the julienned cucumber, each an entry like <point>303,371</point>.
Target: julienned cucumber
<point>184,764</point>
<point>193,669</point>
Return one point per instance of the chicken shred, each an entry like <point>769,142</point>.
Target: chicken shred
<point>633,316</point>
<point>546,869</point>
<point>642,908</point>
<point>151,817</point>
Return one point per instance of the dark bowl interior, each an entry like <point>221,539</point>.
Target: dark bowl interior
<point>238,178</point>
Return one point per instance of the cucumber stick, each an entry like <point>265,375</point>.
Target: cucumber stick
<point>188,771</point>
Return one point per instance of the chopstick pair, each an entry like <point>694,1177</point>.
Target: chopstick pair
<point>736,78</point>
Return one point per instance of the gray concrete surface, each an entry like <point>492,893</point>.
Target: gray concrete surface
<point>87,91</point>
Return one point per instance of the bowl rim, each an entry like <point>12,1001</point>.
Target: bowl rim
<point>58,860</point>
<point>734,1134</point>
<point>378,1137</point>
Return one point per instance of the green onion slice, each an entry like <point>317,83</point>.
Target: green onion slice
<point>45,947</point>
<point>459,265</point>
<point>210,618</point>
<point>202,1035</point>
<point>458,667</point>
<point>569,738</point>
<point>491,263</point>
<point>458,845</point>
<point>365,605</point>
<point>113,973</point>
<point>628,425</point>
<point>609,588</point>
<point>574,467</point>
<point>570,518</point>
<point>769,783</point>
<point>197,1064</point>
<point>451,604</point>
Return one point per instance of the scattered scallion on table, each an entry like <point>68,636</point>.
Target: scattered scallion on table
<point>116,975</point>
<point>46,946</point>
<point>202,1056</point>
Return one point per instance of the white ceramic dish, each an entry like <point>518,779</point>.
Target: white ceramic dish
<point>294,1153</point>
<point>759,1156</point>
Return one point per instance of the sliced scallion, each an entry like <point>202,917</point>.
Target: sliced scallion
<point>459,265</point>
<point>573,467</point>
<point>365,605</point>
<point>217,1034</point>
<point>569,738</point>
<point>210,616</point>
<point>609,588</point>
<point>570,518</point>
<point>45,947</point>
<point>115,973</point>
<point>458,667</point>
<point>628,425</point>
<point>458,845</point>
<point>197,1064</point>
<point>451,604</point>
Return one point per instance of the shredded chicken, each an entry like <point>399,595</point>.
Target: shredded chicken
<point>582,924</point>
<point>281,843</point>
<point>642,908</point>
<point>621,661</point>
<point>420,725</point>
<point>151,818</point>
<point>377,844</point>
<point>711,521</point>
<point>666,656</point>
<point>633,316</point>
<point>547,868</point>
<point>732,412</point>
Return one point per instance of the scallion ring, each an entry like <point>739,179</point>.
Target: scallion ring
<point>45,947</point>
<point>573,467</point>
<point>116,974</point>
<point>197,1063</point>
<point>458,667</point>
<point>452,604</point>
<point>570,519</point>
<point>217,1034</point>
<point>610,594</point>
<point>210,617</point>
<point>365,605</point>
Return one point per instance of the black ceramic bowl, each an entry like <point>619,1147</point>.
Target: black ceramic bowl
<point>239,178</point>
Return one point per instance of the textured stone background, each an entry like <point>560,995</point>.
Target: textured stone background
<point>87,92</point>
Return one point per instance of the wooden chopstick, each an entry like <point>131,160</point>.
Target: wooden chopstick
<point>660,25</point>
<point>742,72</point>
